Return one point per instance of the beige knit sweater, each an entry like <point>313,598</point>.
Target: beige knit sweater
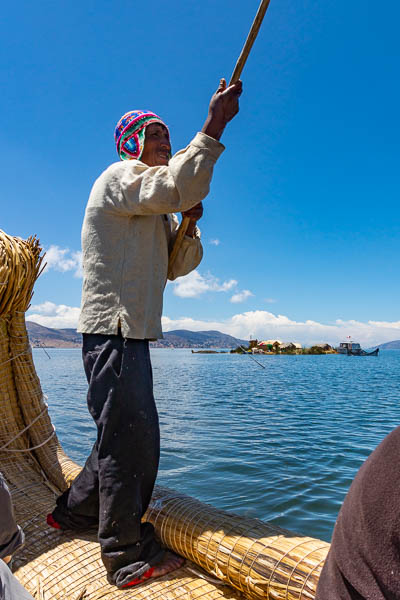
<point>127,235</point>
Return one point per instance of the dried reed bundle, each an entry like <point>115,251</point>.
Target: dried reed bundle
<point>43,439</point>
<point>258,559</point>
<point>11,422</point>
<point>21,265</point>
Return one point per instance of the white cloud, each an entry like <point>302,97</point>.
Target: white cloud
<point>63,260</point>
<point>58,316</point>
<point>194,284</point>
<point>241,296</point>
<point>266,325</point>
<point>215,242</point>
<point>270,300</point>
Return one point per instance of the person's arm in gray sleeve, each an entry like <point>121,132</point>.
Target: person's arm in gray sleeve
<point>11,535</point>
<point>10,587</point>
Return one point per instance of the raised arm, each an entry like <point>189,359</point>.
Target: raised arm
<point>224,105</point>
<point>160,185</point>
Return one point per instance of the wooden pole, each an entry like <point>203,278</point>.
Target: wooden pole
<point>262,9</point>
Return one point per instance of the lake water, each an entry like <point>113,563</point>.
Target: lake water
<point>281,443</point>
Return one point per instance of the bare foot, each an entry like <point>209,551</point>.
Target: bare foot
<point>170,562</point>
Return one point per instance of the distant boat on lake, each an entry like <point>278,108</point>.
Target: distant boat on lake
<point>354,349</point>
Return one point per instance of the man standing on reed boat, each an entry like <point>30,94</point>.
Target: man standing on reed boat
<point>127,236</point>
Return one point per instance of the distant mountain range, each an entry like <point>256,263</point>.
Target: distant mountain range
<point>53,338</point>
<point>395,345</point>
<point>181,338</point>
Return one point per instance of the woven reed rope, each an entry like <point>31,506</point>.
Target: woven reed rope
<point>256,559</point>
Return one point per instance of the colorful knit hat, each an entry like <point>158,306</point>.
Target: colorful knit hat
<point>130,132</point>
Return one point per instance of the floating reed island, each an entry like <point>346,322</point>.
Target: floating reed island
<point>278,347</point>
<point>228,556</point>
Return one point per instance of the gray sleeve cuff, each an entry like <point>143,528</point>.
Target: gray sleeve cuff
<point>11,535</point>
<point>16,540</point>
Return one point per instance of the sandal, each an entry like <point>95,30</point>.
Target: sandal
<point>50,520</point>
<point>146,575</point>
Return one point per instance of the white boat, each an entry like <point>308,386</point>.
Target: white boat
<point>354,349</point>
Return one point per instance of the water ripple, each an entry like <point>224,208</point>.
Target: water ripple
<point>281,444</point>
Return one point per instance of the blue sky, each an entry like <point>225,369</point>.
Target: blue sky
<point>301,227</point>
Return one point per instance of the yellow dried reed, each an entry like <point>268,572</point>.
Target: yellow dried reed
<point>21,265</point>
<point>258,559</point>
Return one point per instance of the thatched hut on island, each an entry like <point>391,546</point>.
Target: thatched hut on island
<point>289,347</point>
<point>270,345</point>
<point>324,347</point>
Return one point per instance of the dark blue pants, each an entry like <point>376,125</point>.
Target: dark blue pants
<point>113,490</point>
